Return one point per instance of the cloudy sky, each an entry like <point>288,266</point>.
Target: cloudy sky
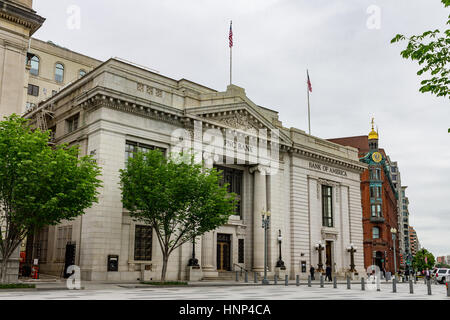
<point>355,72</point>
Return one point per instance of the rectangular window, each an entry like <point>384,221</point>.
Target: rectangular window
<point>241,251</point>
<point>72,123</point>
<point>375,174</point>
<point>375,192</point>
<point>327,206</point>
<point>33,90</point>
<point>234,179</point>
<point>43,245</point>
<point>375,233</point>
<point>143,243</point>
<point>132,147</point>
<point>376,210</point>
<point>64,235</point>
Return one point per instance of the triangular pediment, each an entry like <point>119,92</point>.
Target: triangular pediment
<point>240,116</point>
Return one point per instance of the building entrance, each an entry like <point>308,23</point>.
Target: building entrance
<point>223,252</point>
<point>379,260</point>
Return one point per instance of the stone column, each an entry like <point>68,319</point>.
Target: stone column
<point>208,263</point>
<point>208,254</point>
<point>259,204</point>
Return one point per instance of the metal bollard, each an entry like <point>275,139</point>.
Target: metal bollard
<point>237,275</point>
<point>246,276</point>
<point>415,280</point>
<point>275,279</point>
<point>321,281</point>
<point>429,287</point>
<point>378,280</point>
<point>286,280</point>
<point>363,284</point>
<point>424,280</point>
<point>335,282</point>
<point>255,277</point>
<point>411,286</point>
<point>348,283</point>
<point>309,281</point>
<point>297,280</point>
<point>394,285</point>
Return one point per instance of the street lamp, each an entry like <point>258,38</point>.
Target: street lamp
<point>352,250</point>
<point>320,248</point>
<point>265,215</point>
<point>394,236</point>
<point>280,262</point>
<point>193,262</point>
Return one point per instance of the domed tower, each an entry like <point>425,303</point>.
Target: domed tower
<point>373,138</point>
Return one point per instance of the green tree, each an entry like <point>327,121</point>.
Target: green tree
<point>432,51</point>
<point>179,199</point>
<point>39,185</point>
<point>419,260</point>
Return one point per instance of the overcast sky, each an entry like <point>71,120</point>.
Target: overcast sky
<point>355,72</point>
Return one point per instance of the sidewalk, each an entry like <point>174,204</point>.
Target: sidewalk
<point>50,284</point>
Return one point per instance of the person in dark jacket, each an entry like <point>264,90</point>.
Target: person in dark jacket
<point>328,273</point>
<point>311,271</point>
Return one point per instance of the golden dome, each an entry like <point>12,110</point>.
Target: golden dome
<point>373,134</point>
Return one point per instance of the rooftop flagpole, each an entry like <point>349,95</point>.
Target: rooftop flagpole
<point>308,90</point>
<point>230,38</point>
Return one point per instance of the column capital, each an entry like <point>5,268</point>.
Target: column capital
<point>260,168</point>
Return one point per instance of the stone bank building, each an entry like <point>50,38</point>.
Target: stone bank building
<point>117,108</point>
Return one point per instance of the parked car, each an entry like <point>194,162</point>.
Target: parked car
<point>443,275</point>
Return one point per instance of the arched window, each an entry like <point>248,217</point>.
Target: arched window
<point>82,73</point>
<point>34,66</point>
<point>375,233</point>
<point>59,73</point>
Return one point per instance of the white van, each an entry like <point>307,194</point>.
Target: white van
<point>443,275</point>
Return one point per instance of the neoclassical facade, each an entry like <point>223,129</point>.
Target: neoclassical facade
<point>311,186</point>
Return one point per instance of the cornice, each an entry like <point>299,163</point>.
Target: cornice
<point>350,164</point>
<point>21,16</point>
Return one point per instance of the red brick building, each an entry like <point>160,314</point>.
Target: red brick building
<point>379,203</point>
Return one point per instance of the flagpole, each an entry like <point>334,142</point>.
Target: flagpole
<point>309,112</point>
<point>231,64</point>
<point>231,53</point>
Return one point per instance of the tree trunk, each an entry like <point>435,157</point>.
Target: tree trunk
<point>164,267</point>
<point>4,269</point>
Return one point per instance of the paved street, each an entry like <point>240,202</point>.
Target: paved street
<point>280,292</point>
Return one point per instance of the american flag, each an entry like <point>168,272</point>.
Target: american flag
<point>230,37</point>
<point>309,82</point>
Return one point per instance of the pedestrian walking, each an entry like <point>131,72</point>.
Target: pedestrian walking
<point>428,274</point>
<point>311,271</point>
<point>328,273</point>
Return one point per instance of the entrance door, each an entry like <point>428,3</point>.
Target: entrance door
<point>379,260</point>
<point>328,260</point>
<point>223,252</point>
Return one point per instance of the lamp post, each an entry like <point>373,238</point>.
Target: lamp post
<point>193,262</point>
<point>352,250</point>
<point>320,248</point>
<point>280,262</point>
<point>265,215</point>
<point>394,236</point>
